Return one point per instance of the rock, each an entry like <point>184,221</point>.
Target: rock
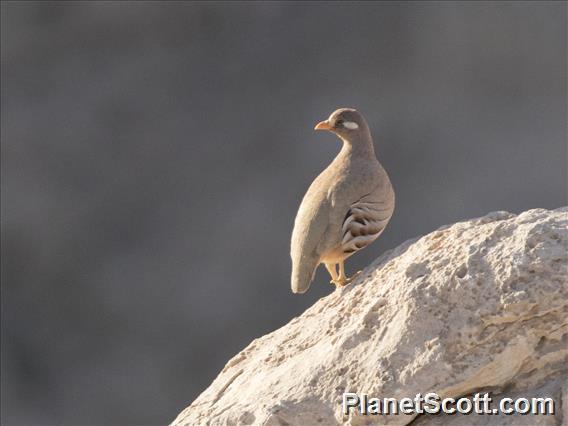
<point>478,306</point>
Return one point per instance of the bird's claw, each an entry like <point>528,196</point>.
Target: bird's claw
<point>342,282</point>
<point>339,283</point>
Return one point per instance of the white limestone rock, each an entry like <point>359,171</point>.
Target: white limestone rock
<point>476,306</point>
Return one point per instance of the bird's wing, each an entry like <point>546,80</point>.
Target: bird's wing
<point>364,221</point>
<point>309,230</point>
<point>310,225</point>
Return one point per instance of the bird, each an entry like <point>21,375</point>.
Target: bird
<point>346,207</point>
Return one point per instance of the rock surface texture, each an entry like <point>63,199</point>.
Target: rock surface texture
<point>478,306</point>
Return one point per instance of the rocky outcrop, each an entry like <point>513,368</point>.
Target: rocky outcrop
<point>478,306</point>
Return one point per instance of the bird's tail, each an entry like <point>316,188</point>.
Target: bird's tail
<point>302,274</point>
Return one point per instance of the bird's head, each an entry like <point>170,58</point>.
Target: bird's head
<point>345,123</point>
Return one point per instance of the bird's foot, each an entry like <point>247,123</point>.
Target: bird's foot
<point>339,282</point>
<point>343,281</point>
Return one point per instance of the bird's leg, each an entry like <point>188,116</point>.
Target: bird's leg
<point>343,280</point>
<point>331,268</point>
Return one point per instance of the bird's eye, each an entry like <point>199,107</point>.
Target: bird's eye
<point>339,123</point>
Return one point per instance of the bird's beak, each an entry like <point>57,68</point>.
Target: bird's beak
<point>323,125</point>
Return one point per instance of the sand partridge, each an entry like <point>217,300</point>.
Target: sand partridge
<point>345,209</point>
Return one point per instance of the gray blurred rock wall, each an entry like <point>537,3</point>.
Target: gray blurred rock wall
<point>154,156</point>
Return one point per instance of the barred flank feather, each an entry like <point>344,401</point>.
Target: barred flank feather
<point>364,222</point>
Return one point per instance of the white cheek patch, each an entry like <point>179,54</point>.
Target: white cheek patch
<point>350,125</point>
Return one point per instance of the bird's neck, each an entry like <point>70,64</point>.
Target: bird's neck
<point>360,146</point>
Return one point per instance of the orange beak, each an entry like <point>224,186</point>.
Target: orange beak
<point>323,125</point>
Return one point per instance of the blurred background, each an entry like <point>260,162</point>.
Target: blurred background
<point>154,156</point>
